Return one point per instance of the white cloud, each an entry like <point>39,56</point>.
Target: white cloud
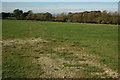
<point>59,7</point>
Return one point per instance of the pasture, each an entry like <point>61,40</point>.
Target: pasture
<point>38,49</point>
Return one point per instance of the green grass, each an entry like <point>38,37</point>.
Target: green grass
<point>90,69</point>
<point>98,39</point>
<point>87,68</point>
<point>19,63</point>
<point>74,58</point>
<point>75,65</point>
<point>64,54</point>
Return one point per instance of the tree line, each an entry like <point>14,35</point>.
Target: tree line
<point>99,17</point>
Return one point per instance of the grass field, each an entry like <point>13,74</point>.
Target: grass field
<point>35,49</point>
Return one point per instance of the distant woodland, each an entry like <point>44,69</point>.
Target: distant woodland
<point>98,17</point>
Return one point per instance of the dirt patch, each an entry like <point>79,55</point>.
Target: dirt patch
<point>21,41</point>
<point>56,69</point>
<point>90,60</point>
<point>62,60</point>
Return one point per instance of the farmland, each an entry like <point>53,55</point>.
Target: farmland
<point>39,49</point>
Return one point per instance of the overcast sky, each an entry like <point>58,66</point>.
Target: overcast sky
<point>60,0</point>
<point>59,7</point>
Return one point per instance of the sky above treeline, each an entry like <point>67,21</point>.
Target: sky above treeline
<point>59,7</point>
<point>60,0</point>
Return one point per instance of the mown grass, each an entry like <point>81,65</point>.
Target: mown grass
<point>98,39</point>
<point>87,68</point>
<point>75,65</point>
<point>19,63</point>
